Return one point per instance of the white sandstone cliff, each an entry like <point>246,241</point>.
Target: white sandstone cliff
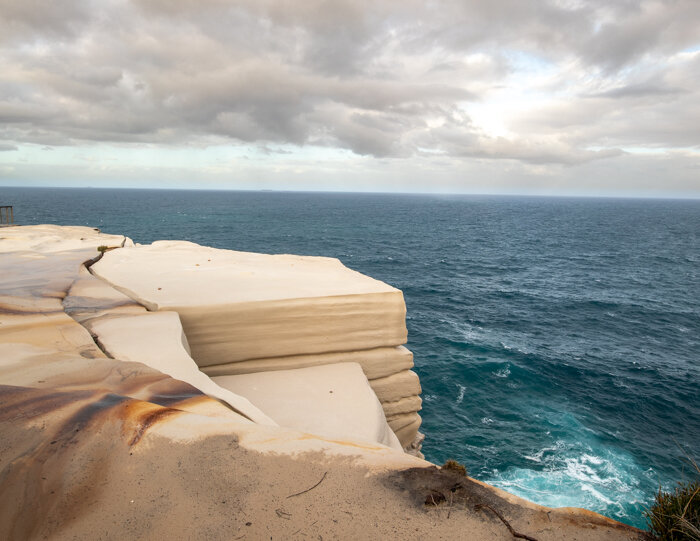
<point>245,315</point>
<point>110,429</point>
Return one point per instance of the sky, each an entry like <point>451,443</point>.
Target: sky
<point>554,97</point>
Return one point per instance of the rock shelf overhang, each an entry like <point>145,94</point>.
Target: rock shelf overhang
<point>247,314</point>
<point>109,429</point>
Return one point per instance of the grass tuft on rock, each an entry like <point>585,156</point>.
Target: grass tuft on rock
<point>675,516</point>
<point>453,465</point>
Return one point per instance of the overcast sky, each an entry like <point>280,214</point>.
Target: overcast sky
<point>476,96</point>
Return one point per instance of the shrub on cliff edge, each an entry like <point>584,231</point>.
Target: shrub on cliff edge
<point>675,516</point>
<point>453,465</point>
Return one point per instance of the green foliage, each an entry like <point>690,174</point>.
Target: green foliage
<point>102,249</point>
<point>453,465</point>
<point>676,516</point>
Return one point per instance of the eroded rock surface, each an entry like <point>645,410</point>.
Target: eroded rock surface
<point>333,400</point>
<point>156,340</point>
<point>95,447</point>
<point>249,313</point>
<point>237,306</point>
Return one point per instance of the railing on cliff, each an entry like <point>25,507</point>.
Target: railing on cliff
<point>7,216</point>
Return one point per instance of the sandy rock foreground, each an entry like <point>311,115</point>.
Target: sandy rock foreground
<point>94,447</point>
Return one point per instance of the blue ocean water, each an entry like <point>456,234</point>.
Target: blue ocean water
<point>557,340</point>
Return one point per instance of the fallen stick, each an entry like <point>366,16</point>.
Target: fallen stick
<point>281,513</point>
<point>518,535</point>
<point>308,489</point>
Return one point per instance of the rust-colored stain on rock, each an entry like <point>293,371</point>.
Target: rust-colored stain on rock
<point>147,417</point>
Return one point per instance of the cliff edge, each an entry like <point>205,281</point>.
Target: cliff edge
<point>182,391</point>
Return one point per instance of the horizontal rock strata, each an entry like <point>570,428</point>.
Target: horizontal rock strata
<point>375,363</point>
<point>156,340</point>
<point>397,395</point>
<point>127,331</point>
<point>98,447</point>
<point>248,313</point>
<point>333,400</point>
<point>232,303</point>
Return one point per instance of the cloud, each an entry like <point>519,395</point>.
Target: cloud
<point>5,147</point>
<point>28,21</point>
<point>575,81</point>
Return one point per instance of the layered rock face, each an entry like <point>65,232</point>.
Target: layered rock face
<point>247,314</point>
<point>45,290</point>
<point>108,429</point>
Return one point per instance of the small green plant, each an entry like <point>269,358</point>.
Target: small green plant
<point>102,249</point>
<point>453,465</point>
<point>675,516</point>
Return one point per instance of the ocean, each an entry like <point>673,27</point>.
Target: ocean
<point>557,339</point>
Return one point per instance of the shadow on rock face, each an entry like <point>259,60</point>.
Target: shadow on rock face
<point>434,486</point>
<point>448,489</point>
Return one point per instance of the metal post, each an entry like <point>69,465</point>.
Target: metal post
<point>7,215</point>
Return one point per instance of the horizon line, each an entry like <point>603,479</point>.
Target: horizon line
<point>365,192</point>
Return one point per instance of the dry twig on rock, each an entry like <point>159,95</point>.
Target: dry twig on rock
<point>281,513</point>
<point>308,489</point>
<point>518,535</point>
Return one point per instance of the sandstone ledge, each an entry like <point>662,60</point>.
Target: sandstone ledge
<point>250,314</point>
<point>96,447</point>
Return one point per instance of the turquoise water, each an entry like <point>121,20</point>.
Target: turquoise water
<point>557,340</point>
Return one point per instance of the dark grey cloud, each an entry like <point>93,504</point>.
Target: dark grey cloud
<point>380,78</point>
<point>636,29</point>
<point>30,21</point>
<point>648,89</point>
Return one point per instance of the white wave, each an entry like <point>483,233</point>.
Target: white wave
<point>503,372</point>
<point>596,494</point>
<point>592,459</point>
<point>538,456</point>
<point>468,332</point>
<point>460,396</point>
<point>522,350</point>
<point>575,474</point>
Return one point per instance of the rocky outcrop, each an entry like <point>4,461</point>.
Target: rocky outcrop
<point>237,306</point>
<point>248,314</point>
<point>156,340</point>
<point>332,400</point>
<point>97,443</point>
